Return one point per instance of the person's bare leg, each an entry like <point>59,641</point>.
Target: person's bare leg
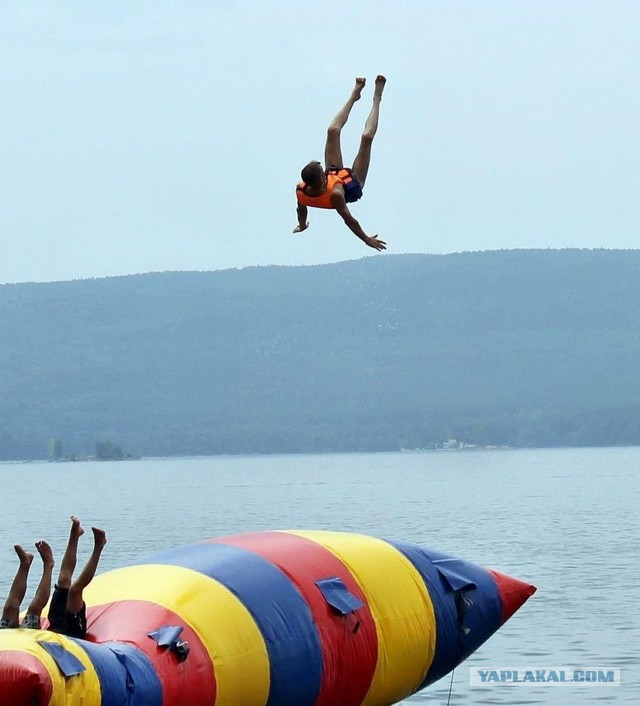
<point>44,587</point>
<point>11,610</point>
<point>363,158</point>
<point>75,599</point>
<point>68,565</point>
<point>332,149</point>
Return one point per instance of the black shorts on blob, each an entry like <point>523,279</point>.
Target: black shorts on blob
<point>64,622</point>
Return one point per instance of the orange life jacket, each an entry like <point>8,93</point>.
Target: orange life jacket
<point>334,176</point>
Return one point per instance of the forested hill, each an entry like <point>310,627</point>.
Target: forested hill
<point>518,348</point>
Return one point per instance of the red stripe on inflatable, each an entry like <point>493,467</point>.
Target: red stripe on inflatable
<point>349,658</point>
<point>513,593</point>
<point>131,621</point>
<point>24,679</point>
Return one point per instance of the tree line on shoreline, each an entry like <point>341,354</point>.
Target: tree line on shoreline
<point>523,348</point>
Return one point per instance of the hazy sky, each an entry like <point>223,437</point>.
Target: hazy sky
<point>161,135</point>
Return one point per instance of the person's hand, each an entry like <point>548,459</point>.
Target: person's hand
<point>299,228</point>
<point>376,244</point>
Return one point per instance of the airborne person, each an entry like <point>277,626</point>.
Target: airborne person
<point>336,186</point>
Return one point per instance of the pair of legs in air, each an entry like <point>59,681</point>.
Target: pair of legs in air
<point>67,610</point>
<point>11,611</point>
<point>333,150</point>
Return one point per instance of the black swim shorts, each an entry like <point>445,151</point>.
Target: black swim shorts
<point>61,620</point>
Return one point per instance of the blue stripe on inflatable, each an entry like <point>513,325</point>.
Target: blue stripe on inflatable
<point>456,639</point>
<point>281,613</point>
<point>125,673</point>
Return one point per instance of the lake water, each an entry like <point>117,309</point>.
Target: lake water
<point>565,520</point>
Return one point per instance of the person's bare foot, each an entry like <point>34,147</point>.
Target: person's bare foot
<point>357,89</point>
<point>99,537</point>
<point>25,557</point>
<point>45,553</point>
<point>76,528</point>
<point>379,86</point>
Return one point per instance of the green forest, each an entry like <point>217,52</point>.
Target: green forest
<point>519,348</point>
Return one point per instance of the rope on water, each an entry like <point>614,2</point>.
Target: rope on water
<point>450,687</point>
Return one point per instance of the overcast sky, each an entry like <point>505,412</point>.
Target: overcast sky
<point>168,135</point>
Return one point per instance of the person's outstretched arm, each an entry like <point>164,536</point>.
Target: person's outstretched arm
<point>302,219</point>
<point>338,202</point>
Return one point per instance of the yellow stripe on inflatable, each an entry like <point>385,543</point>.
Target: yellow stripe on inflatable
<point>220,620</point>
<point>401,607</point>
<point>81,688</point>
